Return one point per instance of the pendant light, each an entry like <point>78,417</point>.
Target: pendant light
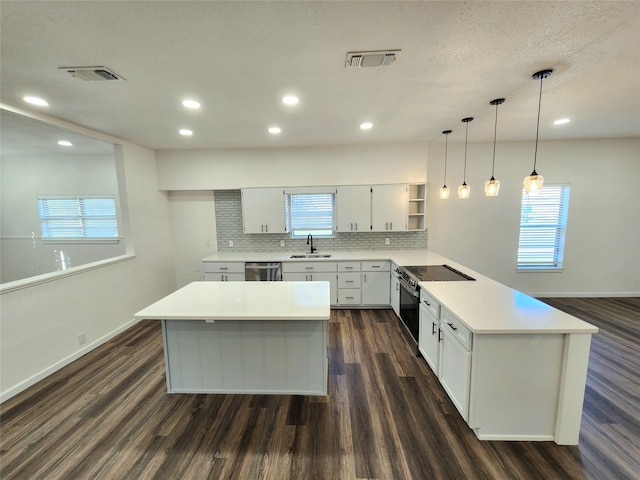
<point>492,186</point>
<point>444,191</point>
<point>533,183</point>
<point>464,189</point>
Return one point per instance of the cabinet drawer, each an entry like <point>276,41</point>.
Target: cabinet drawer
<point>456,328</point>
<point>307,267</point>
<point>349,296</point>
<point>349,280</point>
<point>370,266</point>
<point>223,267</point>
<point>430,303</point>
<point>348,266</point>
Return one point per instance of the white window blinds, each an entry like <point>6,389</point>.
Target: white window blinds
<point>543,222</point>
<point>78,217</point>
<point>312,214</point>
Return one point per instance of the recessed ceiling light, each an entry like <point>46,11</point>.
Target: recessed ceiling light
<point>366,125</point>
<point>561,121</point>
<point>35,101</point>
<point>65,143</point>
<point>186,132</point>
<point>274,130</point>
<point>193,104</point>
<point>290,100</point>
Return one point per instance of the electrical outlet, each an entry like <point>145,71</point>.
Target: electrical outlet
<point>231,243</point>
<point>282,243</point>
<point>82,338</point>
<point>387,241</point>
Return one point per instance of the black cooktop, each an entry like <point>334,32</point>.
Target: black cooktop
<point>440,273</point>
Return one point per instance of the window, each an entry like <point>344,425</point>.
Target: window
<point>543,222</point>
<point>78,218</point>
<point>311,213</point>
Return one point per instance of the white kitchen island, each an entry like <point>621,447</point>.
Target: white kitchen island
<point>245,337</point>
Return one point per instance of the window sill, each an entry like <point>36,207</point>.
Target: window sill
<point>49,277</point>
<point>540,270</point>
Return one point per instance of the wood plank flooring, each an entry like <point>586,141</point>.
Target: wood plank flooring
<point>107,416</point>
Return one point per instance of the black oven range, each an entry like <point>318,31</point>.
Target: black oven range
<point>410,291</point>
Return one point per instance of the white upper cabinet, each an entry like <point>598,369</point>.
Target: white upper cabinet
<point>389,208</point>
<point>353,208</point>
<point>263,210</point>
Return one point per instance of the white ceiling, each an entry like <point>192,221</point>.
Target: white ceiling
<point>239,58</point>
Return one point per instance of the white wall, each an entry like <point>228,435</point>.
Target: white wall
<point>193,226</point>
<point>602,252</point>
<point>333,165</point>
<point>41,323</point>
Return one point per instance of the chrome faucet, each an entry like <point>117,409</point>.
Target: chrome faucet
<point>310,242</point>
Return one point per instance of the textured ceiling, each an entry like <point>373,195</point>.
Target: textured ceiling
<point>239,58</point>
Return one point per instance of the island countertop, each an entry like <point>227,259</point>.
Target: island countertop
<point>243,301</point>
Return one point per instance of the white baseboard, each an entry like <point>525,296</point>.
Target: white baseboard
<point>22,386</point>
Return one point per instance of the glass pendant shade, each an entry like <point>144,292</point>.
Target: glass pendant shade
<point>533,183</point>
<point>463,191</point>
<point>491,187</point>
<point>444,192</point>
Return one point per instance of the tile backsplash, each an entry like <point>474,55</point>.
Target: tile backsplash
<point>229,228</point>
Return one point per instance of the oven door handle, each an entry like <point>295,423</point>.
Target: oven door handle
<point>414,292</point>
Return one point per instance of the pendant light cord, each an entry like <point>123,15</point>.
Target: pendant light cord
<point>466,135</point>
<point>446,144</point>
<point>535,153</point>
<point>495,132</point>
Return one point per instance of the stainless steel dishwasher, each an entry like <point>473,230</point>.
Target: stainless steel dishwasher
<point>263,272</point>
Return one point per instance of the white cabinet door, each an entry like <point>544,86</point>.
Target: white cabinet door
<point>353,208</point>
<point>263,210</point>
<point>429,338</point>
<point>389,208</point>
<point>224,277</point>
<point>394,293</point>
<point>331,277</point>
<point>455,372</point>
<point>375,288</point>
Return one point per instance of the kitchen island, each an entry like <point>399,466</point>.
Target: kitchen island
<point>245,337</point>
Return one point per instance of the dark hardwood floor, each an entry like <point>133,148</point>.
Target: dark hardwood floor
<point>107,416</point>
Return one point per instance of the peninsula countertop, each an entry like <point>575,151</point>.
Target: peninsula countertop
<point>485,306</point>
<point>243,301</point>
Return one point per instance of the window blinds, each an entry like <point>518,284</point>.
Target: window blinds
<point>543,222</point>
<point>312,214</point>
<point>78,217</point>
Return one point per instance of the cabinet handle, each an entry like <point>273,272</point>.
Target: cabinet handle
<point>348,268</point>
<point>308,268</point>
<point>349,298</point>
<point>266,228</point>
<point>375,266</point>
<point>356,226</point>
<point>439,335</point>
<point>397,286</point>
<point>348,281</point>
<point>311,278</point>
<point>391,226</point>
<point>224,268</point>
<point>426,303</point>
<point>451,325</point>
<point>433,328</point>
<point>365,277</point>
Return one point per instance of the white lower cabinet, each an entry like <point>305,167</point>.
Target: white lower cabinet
<point>313,272</point>
<point>455,371</point>
<point>429,334</point>
<point>376,279</point>
<point>223,271</point>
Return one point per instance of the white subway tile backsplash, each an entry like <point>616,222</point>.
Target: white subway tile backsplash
<point>229,227</point>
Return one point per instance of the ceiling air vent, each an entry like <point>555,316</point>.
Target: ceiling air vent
<point>92,74</point>
<point>384,58</point>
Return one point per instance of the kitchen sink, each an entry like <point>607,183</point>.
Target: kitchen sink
<point>312,255</point>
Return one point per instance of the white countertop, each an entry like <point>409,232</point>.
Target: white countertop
<point>484,305</point>
<point>243,301</point>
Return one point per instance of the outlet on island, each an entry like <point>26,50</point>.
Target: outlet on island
<point>231,243</point>
<point>387,241</point>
